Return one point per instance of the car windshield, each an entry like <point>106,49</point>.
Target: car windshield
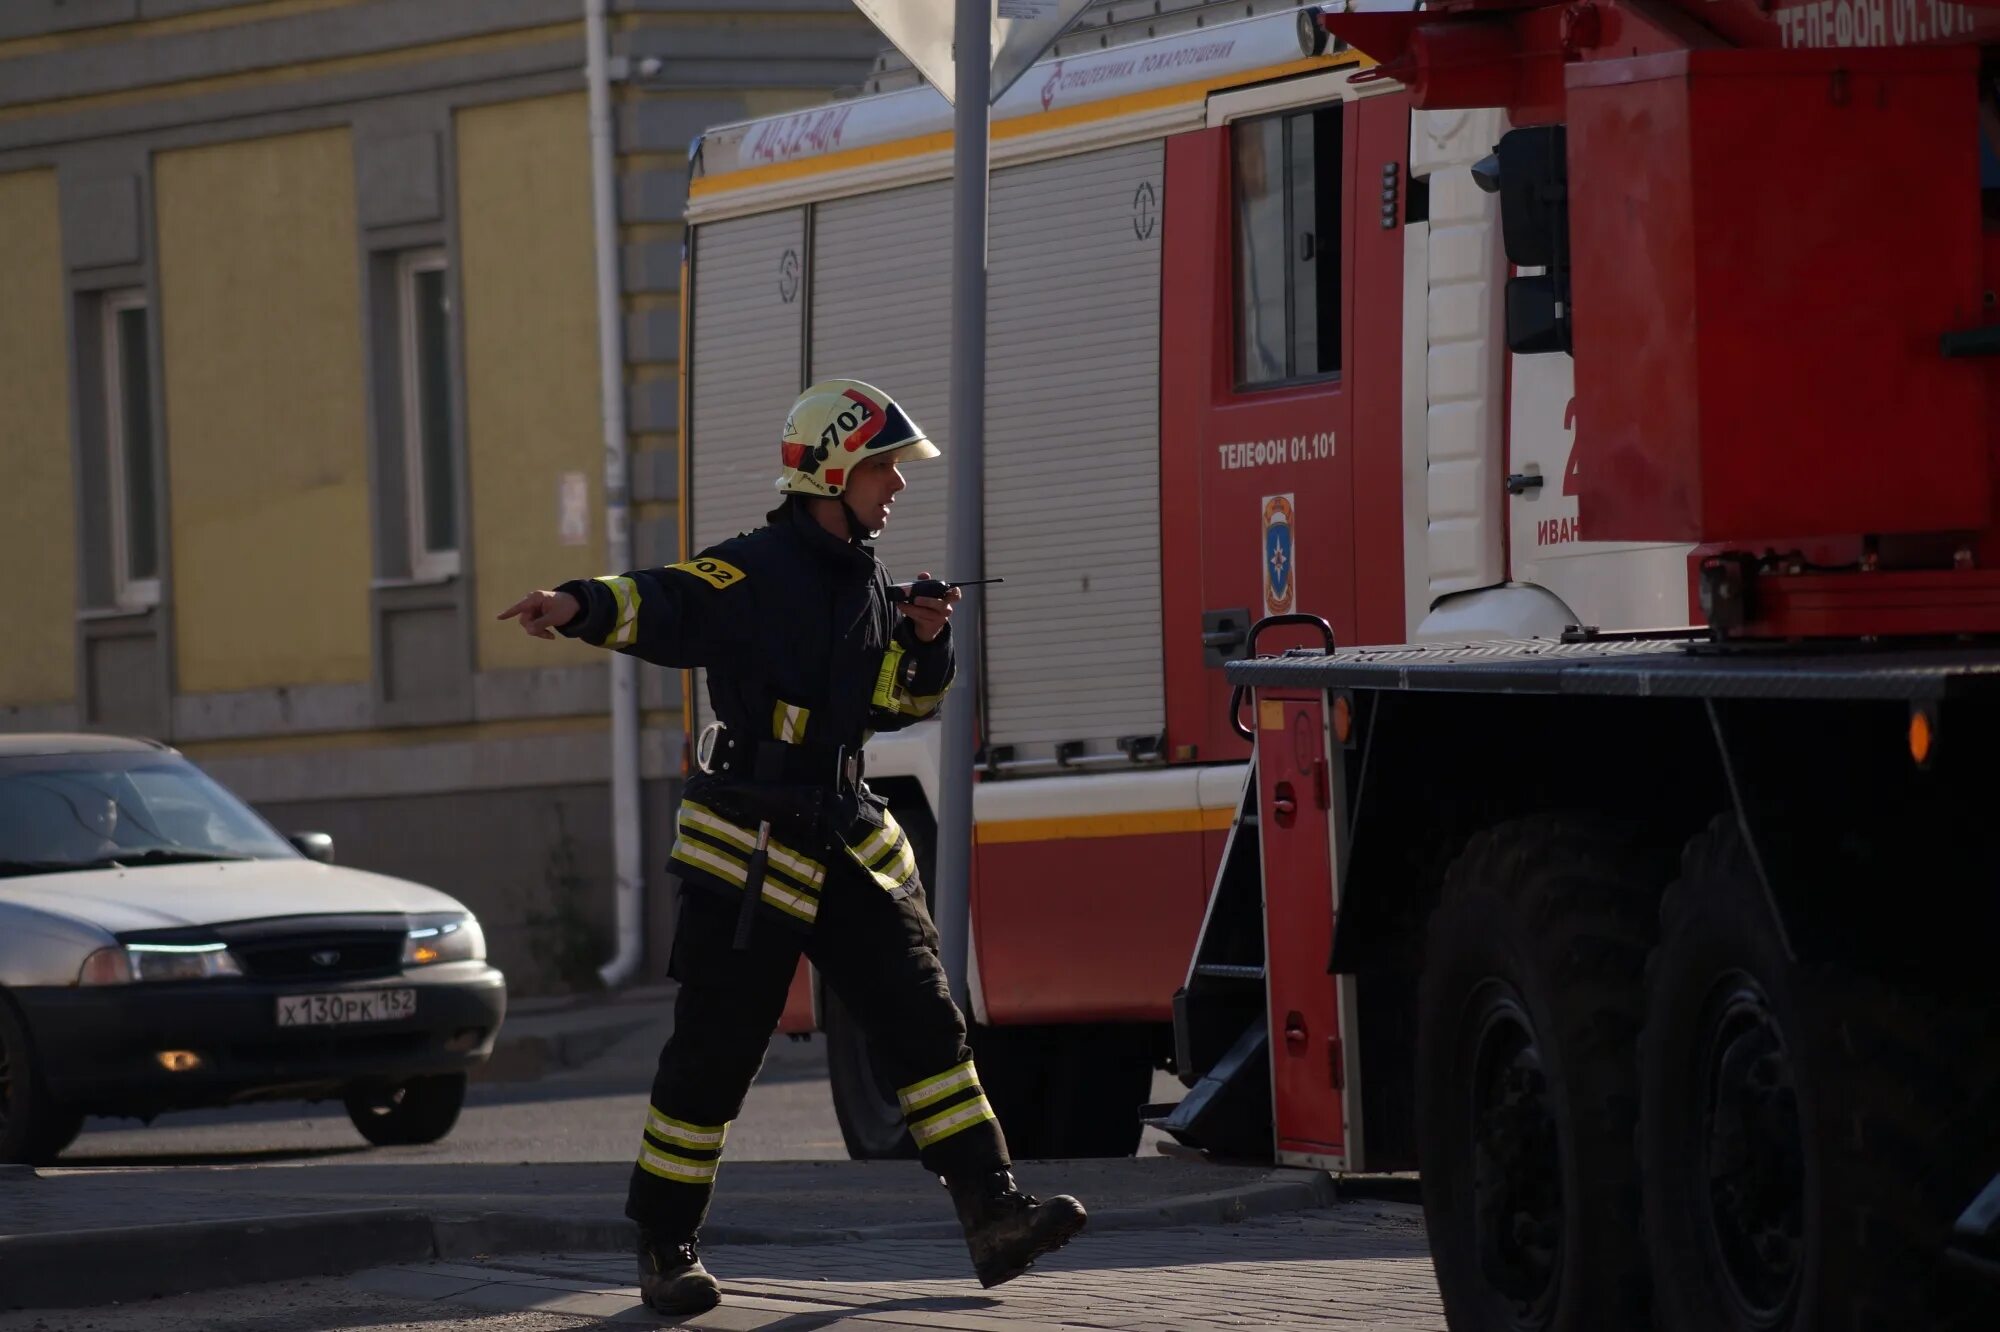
<point>93,811</point>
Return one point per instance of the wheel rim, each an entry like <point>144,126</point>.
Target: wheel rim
<point>1516,1163</point>
<point>1752,1156</point>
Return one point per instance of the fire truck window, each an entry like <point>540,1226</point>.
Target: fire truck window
<point>1327,208</point>
<point>1286,192</point>
<point>1260,250</point>
<point>1306,262</point>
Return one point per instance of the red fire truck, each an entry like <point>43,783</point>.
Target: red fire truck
<point>1666,952</point>
<point>1245,357</point>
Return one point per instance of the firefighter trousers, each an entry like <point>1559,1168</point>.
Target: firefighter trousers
<point>880,956</point>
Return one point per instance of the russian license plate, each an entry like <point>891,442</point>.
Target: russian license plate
<point>334,1010</point>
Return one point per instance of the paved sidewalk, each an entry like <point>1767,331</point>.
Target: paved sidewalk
<point>1353,1265</point>
<point>190,1229</point>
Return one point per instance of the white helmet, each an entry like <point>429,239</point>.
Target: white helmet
<point>840,422</point>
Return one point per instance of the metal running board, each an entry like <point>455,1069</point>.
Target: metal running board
<point>1228,1110</point>
<point>1221,1035</point>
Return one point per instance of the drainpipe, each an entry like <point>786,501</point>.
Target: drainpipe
<point>627,854</point>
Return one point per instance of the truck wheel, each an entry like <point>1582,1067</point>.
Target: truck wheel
<point>1104,1075</point>
<point>34,1130</point>
<point>1806,1136</point>
<point>418,1111</point>
<point>871,1120</point>
<point>1017,1067</point>
<point>1526,1085</point>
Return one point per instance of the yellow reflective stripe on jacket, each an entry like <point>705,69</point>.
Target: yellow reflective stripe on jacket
<point>626,631</point>
<point>886,855</point>
<point>932,1090</point>
<point>788,722</point>
<point>722,865</point>
<point>900,866</point>
<point>809,873</point>
<point>890,696</point>
<point>946,1123</point>
<point>888,680</point>
<point>869,850</point>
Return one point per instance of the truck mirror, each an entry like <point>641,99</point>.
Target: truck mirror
<point>1529,171</point>
<point>1534,196</point>
<point>1537,320</point>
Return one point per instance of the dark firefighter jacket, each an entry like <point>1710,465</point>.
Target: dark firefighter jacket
<point>806,657</point>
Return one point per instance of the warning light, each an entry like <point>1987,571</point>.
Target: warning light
<point>1921,737</point>
<point>421,953</point>
<point>1343,718</point>
<point>179,1061</point>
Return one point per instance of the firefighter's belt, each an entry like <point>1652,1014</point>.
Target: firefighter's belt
<point>804,815</point>
<point>835,769</point>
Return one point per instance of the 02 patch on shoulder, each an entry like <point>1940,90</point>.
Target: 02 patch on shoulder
<point>716,573</point>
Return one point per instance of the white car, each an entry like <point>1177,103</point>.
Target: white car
<point>163,948</point>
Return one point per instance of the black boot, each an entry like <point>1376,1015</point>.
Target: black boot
<point>1006,1229</point>
<point>671,1277</point>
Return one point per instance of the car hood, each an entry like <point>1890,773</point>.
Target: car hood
<point>152,897</point>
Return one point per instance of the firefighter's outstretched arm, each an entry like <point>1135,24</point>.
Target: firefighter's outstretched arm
<point>692,614</point>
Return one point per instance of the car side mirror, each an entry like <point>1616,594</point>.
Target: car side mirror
<point>313,845</point>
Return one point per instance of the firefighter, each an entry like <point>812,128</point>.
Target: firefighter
<point>781,845</point>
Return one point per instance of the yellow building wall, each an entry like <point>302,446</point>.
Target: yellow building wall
<point>266,415</point>
<point>37,503</point>
<point>530,328</point>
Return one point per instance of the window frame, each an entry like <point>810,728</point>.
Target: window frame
<point>1284,113</point>
<point>128,593</point>
<point>425,564</point>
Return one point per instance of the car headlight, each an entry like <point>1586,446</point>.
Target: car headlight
<point>125,964</point>
<point>443,939</point>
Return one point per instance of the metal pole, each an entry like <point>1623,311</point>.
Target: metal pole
<point>965,547</point>
<point>626,851</point>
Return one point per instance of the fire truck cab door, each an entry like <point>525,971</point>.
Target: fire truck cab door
<point>1280,347</point>
<point>1314,1057</point>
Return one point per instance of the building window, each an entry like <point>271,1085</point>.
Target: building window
<point>128,418</point>
<point>1287,206</point>
<point>425,316</point>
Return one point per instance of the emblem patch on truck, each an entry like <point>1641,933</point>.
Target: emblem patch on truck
<point>1280,557</point>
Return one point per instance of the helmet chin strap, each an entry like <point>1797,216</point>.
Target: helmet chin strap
<point>856,529</point>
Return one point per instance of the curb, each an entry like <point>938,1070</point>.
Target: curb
<point>82,1268</point>
<point>78,1268</point>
